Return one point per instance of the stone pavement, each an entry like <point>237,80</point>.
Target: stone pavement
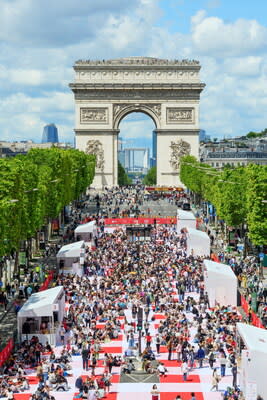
<point>8,324</point>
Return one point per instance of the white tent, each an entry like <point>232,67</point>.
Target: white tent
<point>198,243</point>
<point>86,231</point>
<point>220,283</point>
<point>70,253</point>
<point>42,315</point>
<point>185,219</point>
<point>253,360</point>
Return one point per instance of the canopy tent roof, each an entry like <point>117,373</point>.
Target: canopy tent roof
<point>185,215</point>
<point>254,338</point>
<point>219,268</point>
<point>72,250</point>
<point>41,304</point>
<point>196,232</point>
<point>86,228</point>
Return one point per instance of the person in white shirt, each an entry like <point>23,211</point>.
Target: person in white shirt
<point>184,368</point>
<point>161,370</point>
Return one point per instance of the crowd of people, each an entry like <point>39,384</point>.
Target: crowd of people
<point>122,277</point>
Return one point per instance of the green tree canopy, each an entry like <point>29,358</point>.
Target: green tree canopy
<point>123,178</point>
<point>238,194</point>
<point>151,177</point>
<point>35,187</point>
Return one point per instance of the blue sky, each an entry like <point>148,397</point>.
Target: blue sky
<point>177,13</point>
<point>38,46</point>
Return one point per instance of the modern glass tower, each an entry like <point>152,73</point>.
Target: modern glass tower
<point>50,134</point>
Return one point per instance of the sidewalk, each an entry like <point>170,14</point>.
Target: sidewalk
<point>8,323</point>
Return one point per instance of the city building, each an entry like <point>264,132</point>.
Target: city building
<point>121,153</point>
<point>135,159</point>
<point>50,134</point>
<point>153,159</point>
<point>236,158</point>
<point>203,137</point>
<point>234,152</point>
<point>11,149</point>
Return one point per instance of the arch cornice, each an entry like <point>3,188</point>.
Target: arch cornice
<point>120,110</point>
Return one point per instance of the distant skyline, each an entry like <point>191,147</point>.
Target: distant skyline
<point>39,46</point>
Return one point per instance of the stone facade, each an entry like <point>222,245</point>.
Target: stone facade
<point>166,90</point>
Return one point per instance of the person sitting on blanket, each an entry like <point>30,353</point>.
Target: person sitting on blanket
<point>116,361</point>
<point>129,367</point>
<point>24,385</point>
<point>148,368</point>
<point>161,370</point>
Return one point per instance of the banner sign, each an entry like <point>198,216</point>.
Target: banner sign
<point>140,221</point>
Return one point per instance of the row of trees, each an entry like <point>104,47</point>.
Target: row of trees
<point>35,187</point>
<point>238,194</point>
<point>260,134</point>
<point>151,177</point>
<point>123,178</point>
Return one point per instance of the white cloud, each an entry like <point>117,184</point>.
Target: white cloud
<point>213,37</point>
<point>26,77</point>
<point>23,117</point>
<point>243,66</point>
<point>56,23</point>
<point>136,126</point>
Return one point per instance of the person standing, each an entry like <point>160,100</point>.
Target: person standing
<point>148,340</point>
<point>179,351</point>
<point>96,348</point>
<point>234,372</point>
<point>215,380</point>
<point>200,356</point>
<point>38,353</point>
<point>93,364</point>
<point>62,334</point>
<point>155,393</point>
<point>170,348</point>
<point>222,361</point>
<point>191,358</point>
<point>158,343</point>
<point>184,368</point>
<point>109,363</point>
<point>211,357</point>
<point>107,380</point>
<point>85,357</point>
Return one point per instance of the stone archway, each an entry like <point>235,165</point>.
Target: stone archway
<point>166,90</point>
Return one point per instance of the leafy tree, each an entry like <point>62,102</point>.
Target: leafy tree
<point>230,200</point>
<point>35,188</point>
<point>151,177</point>
<point>256,196</point>
<point>123,178</point>
<point>251,135</point>
<point>238,194</point>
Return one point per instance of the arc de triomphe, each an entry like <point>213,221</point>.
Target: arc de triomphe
<point>166,90</point>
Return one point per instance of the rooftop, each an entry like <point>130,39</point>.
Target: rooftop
<point>237,154</point>
<point>137,61</point>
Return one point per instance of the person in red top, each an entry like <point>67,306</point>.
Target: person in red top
<point>148,340</point>
<point>101,386</point>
